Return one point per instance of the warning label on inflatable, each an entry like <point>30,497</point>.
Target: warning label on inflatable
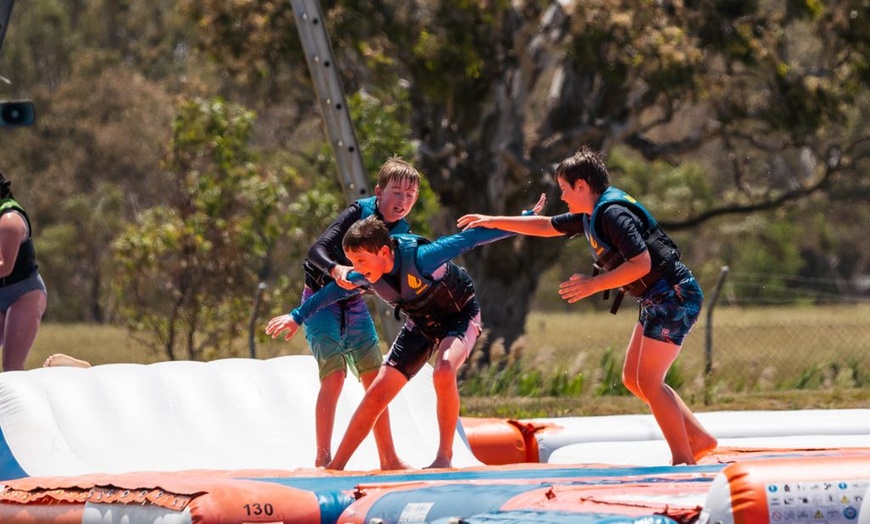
<point>815,502</point>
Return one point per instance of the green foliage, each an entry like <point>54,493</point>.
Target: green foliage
<point>611,376</point>
<point>765,252</point>
<point>93,221</point>
<point>513,379</point>
<point>671,193</point>
<point>188,267</point>
<point>833,374</point>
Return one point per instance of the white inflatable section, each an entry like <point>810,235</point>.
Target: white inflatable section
<point>170,416</point>
<point>637,439</point>
<point>864,513</point>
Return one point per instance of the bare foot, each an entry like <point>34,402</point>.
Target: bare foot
<point>440,462</point>
<point>334,466</point>
<point>395,465</point>
<point>702,446</point>
<point>61,360</point>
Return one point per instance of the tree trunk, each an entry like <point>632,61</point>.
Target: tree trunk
<point>506,275</point>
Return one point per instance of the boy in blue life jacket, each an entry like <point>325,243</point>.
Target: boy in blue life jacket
<point>343,335</point>
<point>442,317</point>
<point>631,252</point>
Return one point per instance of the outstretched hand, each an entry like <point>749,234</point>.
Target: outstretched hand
<point>473,220</point>
<point>539,206</point>
<point>283,323</point>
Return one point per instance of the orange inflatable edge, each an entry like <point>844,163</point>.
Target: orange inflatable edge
<point>497,442</point>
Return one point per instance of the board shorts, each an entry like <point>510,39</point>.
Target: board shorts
<point>668,312</point>
<point>413,347</point>
<point>341,336</point>
<point>9,294</point>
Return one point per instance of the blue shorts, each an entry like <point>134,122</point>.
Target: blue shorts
<point>9,294</point>
<point>343,335</point>
<point>668,312</point>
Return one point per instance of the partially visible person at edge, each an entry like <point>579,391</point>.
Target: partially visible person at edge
<point>23,296</point>
<point>343,335</point>
<point>631,252</point>
<point>442,313</point>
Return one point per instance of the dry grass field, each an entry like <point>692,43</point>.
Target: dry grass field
<point>770,358</point>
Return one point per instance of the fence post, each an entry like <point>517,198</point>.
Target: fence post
<point>252,324</point>
<point>708,346</point>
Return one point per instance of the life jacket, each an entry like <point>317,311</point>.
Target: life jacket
<point>663,251</point>
<point>315,278</point>
<point>25,263</point>
<point>420,296</point>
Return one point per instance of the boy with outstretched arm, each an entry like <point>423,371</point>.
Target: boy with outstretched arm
<point>631,252</point>
<point>443,317</point>
<point>343,335</point>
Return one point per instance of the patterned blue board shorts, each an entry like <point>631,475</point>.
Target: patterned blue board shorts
<point>342,335</point>
<point>667,313</point>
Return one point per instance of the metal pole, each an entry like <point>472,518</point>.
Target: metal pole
<point>708,349</point>
<point>252,324</point>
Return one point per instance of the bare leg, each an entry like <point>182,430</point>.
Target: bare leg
<point>324,420</point>
<point>64,360</point>
<point>700,441</point>
<point>21,324</point>
<point>451,355</point>
<point>680,427</point>
<point>383,433</point>
<point>630,367</point>
<point>384,389</point>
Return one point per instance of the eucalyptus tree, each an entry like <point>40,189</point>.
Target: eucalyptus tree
<point>766,95</point>
<point>188,266</point>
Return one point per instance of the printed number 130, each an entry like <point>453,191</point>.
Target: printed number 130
<point>259,509</point>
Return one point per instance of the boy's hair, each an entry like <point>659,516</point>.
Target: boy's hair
<point>587,165</point>
<point>396,169</point>
<point>369,234</point>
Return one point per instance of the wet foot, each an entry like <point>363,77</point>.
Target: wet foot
<point>395,465</point>
<point>440,462</point>
<point>702,446</point>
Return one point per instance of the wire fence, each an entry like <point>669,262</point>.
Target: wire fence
<point>799,333</point>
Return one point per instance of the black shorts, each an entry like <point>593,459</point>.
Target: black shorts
<point>413,346</point>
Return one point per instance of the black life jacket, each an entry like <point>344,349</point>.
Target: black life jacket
<point>423,298</point>
<point>25,263</point>
<point>663,251</point>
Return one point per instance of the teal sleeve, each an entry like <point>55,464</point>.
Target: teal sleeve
<point>329,294</point>
<point>431,256</point>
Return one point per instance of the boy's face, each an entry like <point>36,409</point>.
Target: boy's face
<point>371,265</point>
<point>396,199</point>
<point>575,196</point>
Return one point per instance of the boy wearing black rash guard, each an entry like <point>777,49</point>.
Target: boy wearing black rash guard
<point>343,335</point>
<point>633,254</point>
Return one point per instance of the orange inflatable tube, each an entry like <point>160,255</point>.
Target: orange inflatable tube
<point>497,442</point>
<point>211,497</point>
